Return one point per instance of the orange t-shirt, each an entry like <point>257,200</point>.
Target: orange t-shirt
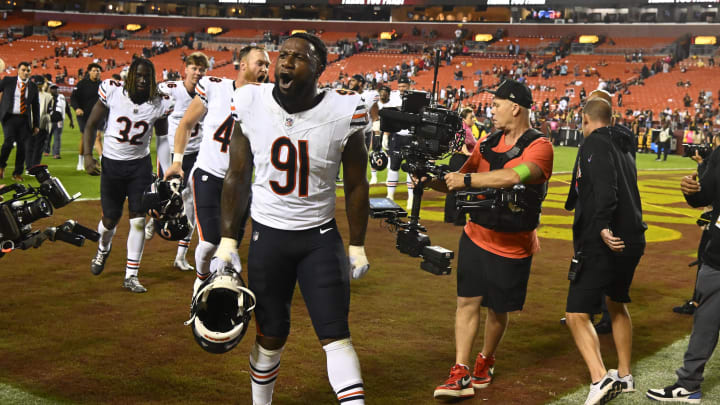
<point>514,245</point>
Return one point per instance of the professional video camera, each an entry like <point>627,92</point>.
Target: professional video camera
<point>704,150</point>
<point>434,133</point>
<point>29,204</point>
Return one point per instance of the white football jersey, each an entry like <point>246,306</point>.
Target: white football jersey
<point>296,156</point>
<point>216,94</point>
<point>129,126</point>
<point>177,90</point>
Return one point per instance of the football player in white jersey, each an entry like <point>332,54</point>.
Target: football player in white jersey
<point>213,102</point>
<point>371,97</point>
<point>295,137</point>
<point>132,108</point>
<point>397,141</point>
<point>183,92</point>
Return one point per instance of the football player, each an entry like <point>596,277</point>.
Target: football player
<point>213,102</point>
<point>183,92</point>
<point>295,137</point>
<point>397,141</point>
<point>371,97</point>
<point>133,108</point>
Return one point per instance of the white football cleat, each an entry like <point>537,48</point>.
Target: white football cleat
<point>182,264</point>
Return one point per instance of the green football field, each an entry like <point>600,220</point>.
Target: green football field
<point>72,338</point>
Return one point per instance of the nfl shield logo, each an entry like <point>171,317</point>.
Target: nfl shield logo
<point>289,121</point>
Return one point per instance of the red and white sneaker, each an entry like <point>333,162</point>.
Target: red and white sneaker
<point>483,372</point>
<point>459,385</point>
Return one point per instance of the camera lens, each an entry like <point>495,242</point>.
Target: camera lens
<point>32,211</point>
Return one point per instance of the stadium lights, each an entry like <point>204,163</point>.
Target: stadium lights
<point>293,32</point>
<point>588,39</point>
<point>55,24</point>
<point>483,37</point>
<point>133,27</point>
<point>705,40</point>
<point>214,30</point>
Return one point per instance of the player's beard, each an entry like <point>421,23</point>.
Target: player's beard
<point>140,96</point>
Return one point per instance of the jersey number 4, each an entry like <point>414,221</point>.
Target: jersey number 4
<point>125,132</point>
<point>296,166</point>
<point>224,133</point>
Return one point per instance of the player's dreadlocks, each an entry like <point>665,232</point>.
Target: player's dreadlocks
<point>131,78</point>
<point>319,47</point>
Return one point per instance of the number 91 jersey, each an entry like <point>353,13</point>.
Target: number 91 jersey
<point>129,125</point>
<point>296,156</point>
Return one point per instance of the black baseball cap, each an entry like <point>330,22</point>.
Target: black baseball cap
<point>359,78</point>
<point>514,91</point>
<point>404,79</point>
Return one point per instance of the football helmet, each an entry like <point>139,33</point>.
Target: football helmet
<point>173,229</point>
<point>220,311</point>
<point>378,160</point>
<point>163,199</point>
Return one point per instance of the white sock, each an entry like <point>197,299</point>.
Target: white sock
<point>264,368</point>
<point>343,369</point>
<point>106,236</point>
<point>392,181</point>
<point>203,254</point>
<point>184,244</point>
<point>373,174</point>
<point>81,161</point>
<point>410,192</point>
<point>135,246</point>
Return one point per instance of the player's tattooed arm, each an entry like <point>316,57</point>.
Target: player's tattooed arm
<point>99,111</point>
<point>357,204</point>
<point>236,187</point>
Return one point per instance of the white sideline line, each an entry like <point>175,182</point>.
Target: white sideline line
<point>13,395</point>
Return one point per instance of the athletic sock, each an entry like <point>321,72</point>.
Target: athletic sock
<point>264,368</point>
<point>343,369</point>
<point>203,254</point>
<point>184,244</point>
<point>410,192</point>
<point>135,246</point>
<point>392,180</point>
<point>81,161</point>
<point>106,235</point>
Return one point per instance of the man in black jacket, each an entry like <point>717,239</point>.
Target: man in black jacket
<point>706,322</point>
<point>20,115</point>
<point>609,239</point>
<point>83,99</point>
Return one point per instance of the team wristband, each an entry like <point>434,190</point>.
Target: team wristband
<point>523,171</point>
<point>177,157</point>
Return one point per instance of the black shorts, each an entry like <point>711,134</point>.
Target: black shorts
<point>315,259</point>
<point>207,194</point>
<point>121,179</point>
<point>82,121</point>
<point>187,165</point>
<point>601,274</point>
<point>396,143</point>
<point>500,281</point>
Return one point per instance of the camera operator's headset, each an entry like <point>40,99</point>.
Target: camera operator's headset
<point>504,218</point>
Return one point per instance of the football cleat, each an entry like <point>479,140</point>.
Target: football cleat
<point>97,264</point>
<point>133,284</point>
<point>182,264</point>
<point>220,311</point>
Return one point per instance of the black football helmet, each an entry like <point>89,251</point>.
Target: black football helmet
<point>221,311</point>
<point>378,160</point>
<point>163,199</point>
<point>173,229</point>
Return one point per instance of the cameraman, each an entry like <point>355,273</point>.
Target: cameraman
<point>706,322</point>
<point>608,239</point>
<point>688,308</point>
<point>494,265</point>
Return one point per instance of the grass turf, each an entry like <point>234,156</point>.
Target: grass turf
<point>83,339</point>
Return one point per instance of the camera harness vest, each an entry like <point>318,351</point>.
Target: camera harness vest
<point>504,217</point>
